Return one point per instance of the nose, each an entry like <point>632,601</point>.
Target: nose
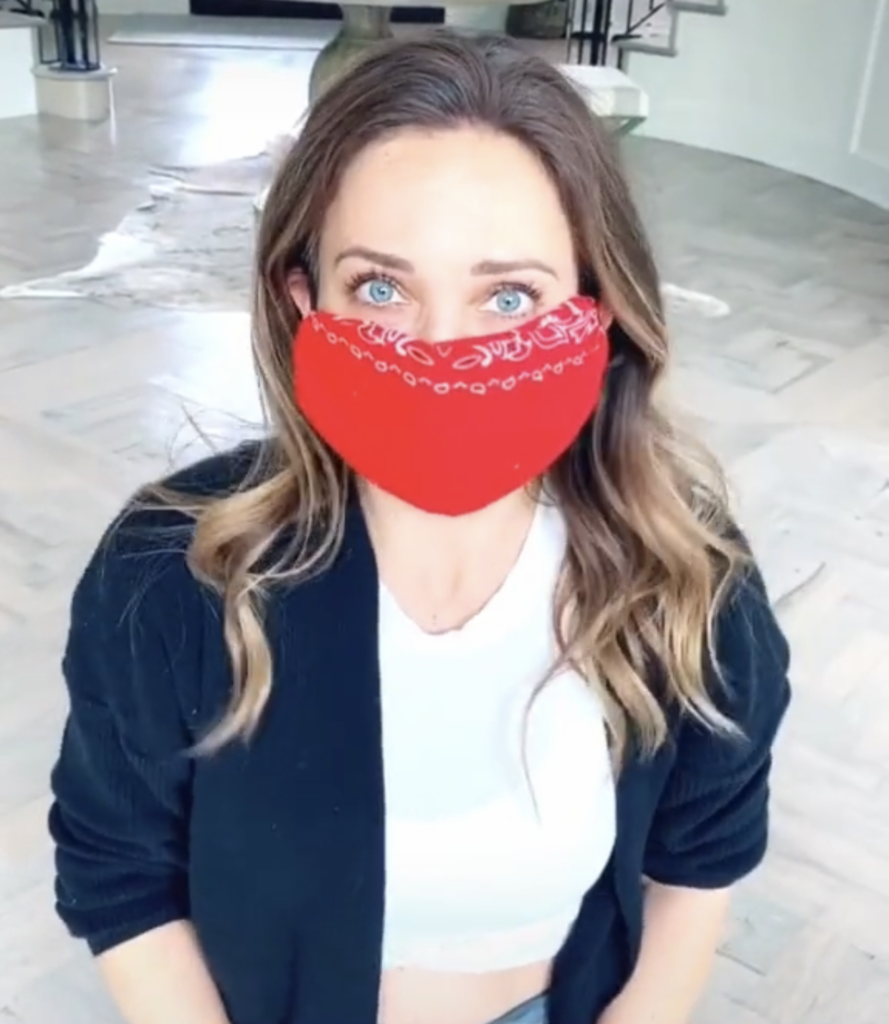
<point>442,321</point>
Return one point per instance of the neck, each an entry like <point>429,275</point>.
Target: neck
<point>445,567</point>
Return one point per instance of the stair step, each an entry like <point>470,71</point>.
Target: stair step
<point>701,6</point>
<point>664,49</point>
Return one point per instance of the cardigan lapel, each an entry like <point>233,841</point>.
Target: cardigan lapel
<point>328,695</point>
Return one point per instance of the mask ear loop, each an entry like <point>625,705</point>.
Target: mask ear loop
<point>312,283</point>
<point>589,286</point>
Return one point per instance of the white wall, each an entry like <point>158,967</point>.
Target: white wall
<point>18,94</point>
<point>799,84</point>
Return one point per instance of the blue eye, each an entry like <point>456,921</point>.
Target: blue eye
<point>511,302</point>
<point>377,292</point>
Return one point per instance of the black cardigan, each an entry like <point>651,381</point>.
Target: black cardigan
<point>274,850</point>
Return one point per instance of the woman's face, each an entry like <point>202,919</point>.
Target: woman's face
<point>445,235</point>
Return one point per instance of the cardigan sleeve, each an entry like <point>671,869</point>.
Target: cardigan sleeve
<point>711,824</point>
<point>121,785</point>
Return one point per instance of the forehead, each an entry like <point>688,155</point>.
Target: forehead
<point>466,191</point>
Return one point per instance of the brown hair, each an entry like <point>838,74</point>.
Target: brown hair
<point>649,550</point>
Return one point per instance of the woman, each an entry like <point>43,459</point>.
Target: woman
<point>452,701</point>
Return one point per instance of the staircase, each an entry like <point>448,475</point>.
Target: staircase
<point>650,26</point>
<point>605,31</point>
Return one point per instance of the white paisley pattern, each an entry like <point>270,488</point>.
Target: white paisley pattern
<point>564,337</point>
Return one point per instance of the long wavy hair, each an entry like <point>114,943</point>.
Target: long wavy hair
<point>650,546</point>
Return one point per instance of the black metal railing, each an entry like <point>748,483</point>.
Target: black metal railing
<point>593,31</point>
<point>639,14</point>
<point>589,34</point>
<point>70,39</point>
<point>27,7</point>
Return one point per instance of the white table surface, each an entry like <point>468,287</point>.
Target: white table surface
<point>611,92</point>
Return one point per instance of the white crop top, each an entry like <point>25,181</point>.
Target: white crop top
<point>482,874</point>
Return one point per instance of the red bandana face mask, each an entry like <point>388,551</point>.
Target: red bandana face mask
<point>450,427</point>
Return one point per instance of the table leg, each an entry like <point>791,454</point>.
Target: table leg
<point>628,125</point>
<point>363,26</point>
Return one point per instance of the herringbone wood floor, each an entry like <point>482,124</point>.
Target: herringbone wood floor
<point>792,389</point>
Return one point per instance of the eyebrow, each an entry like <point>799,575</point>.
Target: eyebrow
<point>384,259</point>
<point>491,268</point>
<point>485,268</point>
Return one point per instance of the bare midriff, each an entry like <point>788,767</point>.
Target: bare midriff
<point>413,996</point>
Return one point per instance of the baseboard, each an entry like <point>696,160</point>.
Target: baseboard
<point>304,11</point>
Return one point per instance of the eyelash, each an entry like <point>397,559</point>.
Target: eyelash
<point>355,282</point>
<point>533,293</point>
